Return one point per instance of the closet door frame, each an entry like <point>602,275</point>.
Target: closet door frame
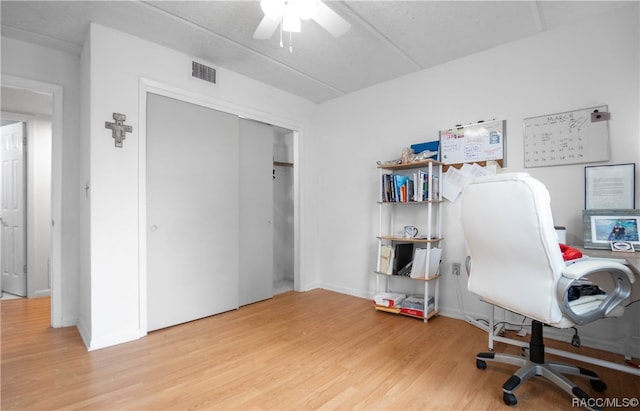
<point>152,86</point>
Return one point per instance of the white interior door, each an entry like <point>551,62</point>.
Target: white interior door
<point>256,211</point>
<point>192,212</point>
<point>14,269</point>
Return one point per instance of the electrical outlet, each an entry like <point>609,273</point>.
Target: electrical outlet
<point>455,268</point>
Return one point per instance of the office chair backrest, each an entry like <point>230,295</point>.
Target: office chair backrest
<point>515,257</point>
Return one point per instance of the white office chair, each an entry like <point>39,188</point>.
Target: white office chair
<point>516,264</point>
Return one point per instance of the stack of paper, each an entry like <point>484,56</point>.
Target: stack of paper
<point>585,304</point>
<point>389,299</point>
<point>414,305</point>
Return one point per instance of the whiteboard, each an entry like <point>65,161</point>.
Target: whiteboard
<point>566,138</point>
<point>473,143</point>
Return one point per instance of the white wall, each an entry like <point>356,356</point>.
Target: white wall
<point>593,63</point>
<point>118,66</point>
<point>28,61</point>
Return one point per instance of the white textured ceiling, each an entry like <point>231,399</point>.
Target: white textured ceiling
<point>387,39</point>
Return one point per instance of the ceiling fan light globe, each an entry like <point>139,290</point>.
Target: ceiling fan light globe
<point>272,8</point>
<point>290,22</point>
<point>306,9</point>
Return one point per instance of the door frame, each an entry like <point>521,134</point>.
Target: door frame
<point>147,85</point>
<point>56,92</point>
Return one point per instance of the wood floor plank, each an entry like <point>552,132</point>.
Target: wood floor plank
<point>297,351</point>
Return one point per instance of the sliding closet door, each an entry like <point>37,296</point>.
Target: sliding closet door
<point>192,212</point>
<point>256,211</point>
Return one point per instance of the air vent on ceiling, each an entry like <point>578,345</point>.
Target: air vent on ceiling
<point>203,72</point>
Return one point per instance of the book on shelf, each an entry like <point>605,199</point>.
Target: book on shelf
<point>400,188</point>
<point>422,188</point>
<point>436,187</point>
<point>423,179</point>
<point>420,262</point>
<point>387,195</point>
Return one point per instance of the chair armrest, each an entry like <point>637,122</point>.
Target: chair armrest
<point>586,267</point>
<point>622,279</point>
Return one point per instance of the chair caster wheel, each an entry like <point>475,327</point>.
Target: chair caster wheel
<point>481,365</point>
<point>509,399</point>
<point>598,385</point>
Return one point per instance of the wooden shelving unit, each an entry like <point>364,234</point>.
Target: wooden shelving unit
<point>387,231</point>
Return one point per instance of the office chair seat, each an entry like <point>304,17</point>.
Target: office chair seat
<point>516,264</point>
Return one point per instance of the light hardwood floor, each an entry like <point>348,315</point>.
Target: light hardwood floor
<point>297,351</point>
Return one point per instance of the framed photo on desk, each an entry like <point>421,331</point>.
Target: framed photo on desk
<point>602,227</point>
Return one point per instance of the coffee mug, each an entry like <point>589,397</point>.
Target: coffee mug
<point>410,231</point>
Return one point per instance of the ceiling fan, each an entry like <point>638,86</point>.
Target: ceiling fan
<point>288,15</point>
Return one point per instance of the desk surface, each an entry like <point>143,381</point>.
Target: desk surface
<point>633,259</point>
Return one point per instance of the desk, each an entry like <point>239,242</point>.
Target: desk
<point>632,261</point>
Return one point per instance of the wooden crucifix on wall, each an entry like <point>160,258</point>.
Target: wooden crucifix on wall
<point>118,128</point>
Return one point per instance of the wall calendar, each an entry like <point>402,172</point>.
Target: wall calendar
<point>579,136</point>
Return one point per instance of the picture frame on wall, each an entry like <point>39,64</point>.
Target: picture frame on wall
<point>610,187</point>
<point>603,227</point>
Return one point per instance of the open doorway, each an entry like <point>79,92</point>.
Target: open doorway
<point>26,182</point>
<point>283,212</point>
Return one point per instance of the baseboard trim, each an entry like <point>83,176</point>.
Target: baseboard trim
<point>42,293</point>
<point>111,340</point>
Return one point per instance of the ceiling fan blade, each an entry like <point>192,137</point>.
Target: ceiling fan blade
<point>266,28</point>
<point>330,20</point>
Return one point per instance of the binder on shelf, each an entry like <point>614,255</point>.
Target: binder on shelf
<point>386,259</point>
<point>403,254</point>
<point>420,262</point>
